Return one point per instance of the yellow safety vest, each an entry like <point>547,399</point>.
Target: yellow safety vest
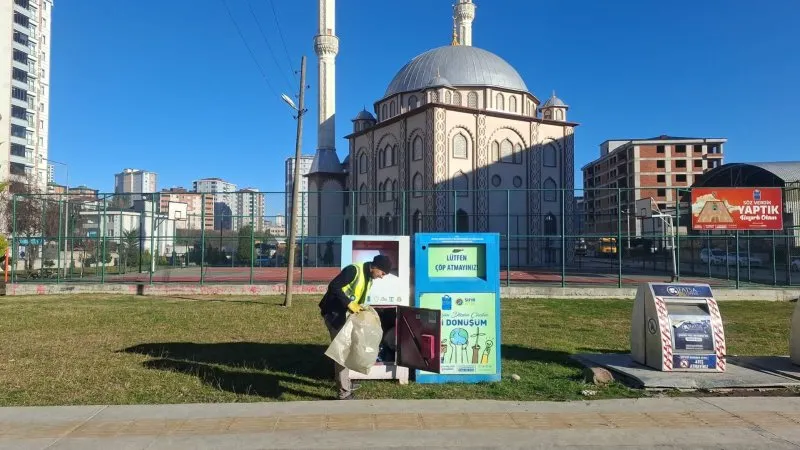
<point>358,288</point>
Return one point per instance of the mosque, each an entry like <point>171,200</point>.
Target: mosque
<point>457,143</point>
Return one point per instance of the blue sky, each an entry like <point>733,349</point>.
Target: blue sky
<point>170,87</point>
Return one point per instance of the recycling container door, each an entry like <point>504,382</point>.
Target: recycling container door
<point>419,338</point>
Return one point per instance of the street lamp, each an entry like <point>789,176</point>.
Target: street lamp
<point>296,184</point>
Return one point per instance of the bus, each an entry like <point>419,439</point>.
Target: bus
<point>606,247</point>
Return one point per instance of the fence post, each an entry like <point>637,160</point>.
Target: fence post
<point>151,269</point>
<point>563,238</point>
<point>353,200</point>
<point>508,237</point>
<point>202,238</point>
<point>42,245</point>
<point>677,232</point>
<point>737,259</point>
<point>252,239</point>
<point>775,262</point>
<point>302,232</point>
<point>14,249</point>
<point>58,246</point>
<point>103,230</point>
<point>619,239</point>
<point>455,210</point>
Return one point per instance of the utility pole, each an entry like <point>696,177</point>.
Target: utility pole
<point>296,183</point>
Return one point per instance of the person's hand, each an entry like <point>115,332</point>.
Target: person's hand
<point>354,307</point>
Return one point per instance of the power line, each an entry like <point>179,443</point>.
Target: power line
<point>249,50</point>
<point>280,33</point>
<point>266,41</point>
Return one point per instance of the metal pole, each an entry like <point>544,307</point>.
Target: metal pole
<point>674,258</point>
<point>202,238</point>
<point>563,239</point>
<point>43,237</point>
<point>508,237</point>
<point>455,211</point>
<point>677,250</point>
<point>403,218</point>
<point>14,249</point>
<point>252,239</point>
<point>302,235</point>
<point>352,212</point>
<point>737,259</point>
<point>296,185</point>
<point>775,262</point>
<point>152,236</point>
<point>619,241</point>
<point>103,244</point>
<point>58,247</point>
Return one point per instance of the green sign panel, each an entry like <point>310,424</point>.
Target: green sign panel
<point>469,327</point>
<point>457,261</point>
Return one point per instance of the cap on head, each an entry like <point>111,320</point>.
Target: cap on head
<point>383,263</point>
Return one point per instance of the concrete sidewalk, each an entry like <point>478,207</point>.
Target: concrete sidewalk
<point>689,423</point>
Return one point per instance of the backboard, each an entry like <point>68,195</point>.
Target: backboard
<point>646,207</point>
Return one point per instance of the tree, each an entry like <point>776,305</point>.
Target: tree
<point>33,216</point>
<point>129,248</point>
<point>244,251</point>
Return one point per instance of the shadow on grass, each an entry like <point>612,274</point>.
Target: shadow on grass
<point>247,367</point>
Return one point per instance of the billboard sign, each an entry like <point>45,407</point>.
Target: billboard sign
<point>746,209</point>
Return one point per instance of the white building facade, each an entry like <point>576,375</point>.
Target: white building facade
<point>25,90</point>
<point>132,183</point>
<point>302,205</point>
<point>225,201</point>
<point>251,208</point>
<point>472,149</point>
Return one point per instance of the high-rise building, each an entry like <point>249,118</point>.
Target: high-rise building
<point>302,206</point>
<point>133,183</point>
<point>199,208</point>
<point>25,90</point>
<point>643,168</point>
<point>250,204</point>
<point>225,203</point>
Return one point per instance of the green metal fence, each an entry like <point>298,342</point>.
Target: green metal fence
<point>549,237</point>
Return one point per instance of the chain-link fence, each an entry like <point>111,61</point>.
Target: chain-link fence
<point>549,237</point>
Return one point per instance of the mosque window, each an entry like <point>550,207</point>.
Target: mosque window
<point>550,190</point>
<point>559,115</point>
<point>500,102</point>
<point>457,99</point>
<point>460,146</point>
<point>388,194</point>
<point>362,194</point>
<point>434,97</point>
<point>550,156</point>
<point>461,184</point>
<point>472,100</point>
<point>417,222</point>
<point>381,193</point>
<point>416,152</point>
<point>448,97</point>
<point>381,159</point>
<point>392,109</point>
<point>413,102</point>
<point>496,181</point>
<point>362,162</point>
<point>506,151</point>
<point>416,185</point>
<point>390,155</point>
<point>548,114</point>
<point>384,112</point>
<point>550,225</point>
<point>512,104</point>
<point>517,182</point>
<point>518,154</point>
<point>495,151</point>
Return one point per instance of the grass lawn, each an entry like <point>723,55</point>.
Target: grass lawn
<point>125,350</point>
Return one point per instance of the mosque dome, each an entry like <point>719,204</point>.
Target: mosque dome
<point>364,115</point>
<point>460,66</point>
<point>554,101</point>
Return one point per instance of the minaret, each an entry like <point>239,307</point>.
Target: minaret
<point>326,179</point>
<point>326,46</point>
<point>464,12</point>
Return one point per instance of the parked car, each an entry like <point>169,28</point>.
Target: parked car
<point>796,265</point>
<point>745,260</point>
<point>716,256</point>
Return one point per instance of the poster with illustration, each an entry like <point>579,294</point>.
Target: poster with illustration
<point>469,331</point>
<point>394,288</point>
<point>692,333</point>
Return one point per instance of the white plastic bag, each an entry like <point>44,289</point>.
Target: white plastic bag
<point>356,344</point>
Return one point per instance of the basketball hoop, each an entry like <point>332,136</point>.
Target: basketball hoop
<point>646,208</point>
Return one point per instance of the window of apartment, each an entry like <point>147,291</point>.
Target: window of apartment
<point>661,192</point>
<point>661,178</point>
<point>680,148</point>
<point>24,3</point>
<point>19,131</point>
<point>20,56</point>
<point>660,164</point>
<point>659,149</point>
<point>21,38</point>
<point>21,19</point>
<point>698,148</point>
<point>19,75</point>
<point>680,178</point>
<point>681,163</point>
<point>698,163</point>
<point>18,150</point>
<point>17,169</point>
<point>19,112</point>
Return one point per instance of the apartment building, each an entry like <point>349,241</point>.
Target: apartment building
<point>251,207</point>
<point>302,205</point>
<point>225,202</point>
<point>632,169</point>
<point>199,208</point>
<point>132,183</point>
<point>25,91</point>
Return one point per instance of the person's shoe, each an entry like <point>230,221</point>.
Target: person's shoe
<point>349,397</point>
<point>355,386</point>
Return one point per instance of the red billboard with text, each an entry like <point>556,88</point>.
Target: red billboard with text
<point>746,209</point>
